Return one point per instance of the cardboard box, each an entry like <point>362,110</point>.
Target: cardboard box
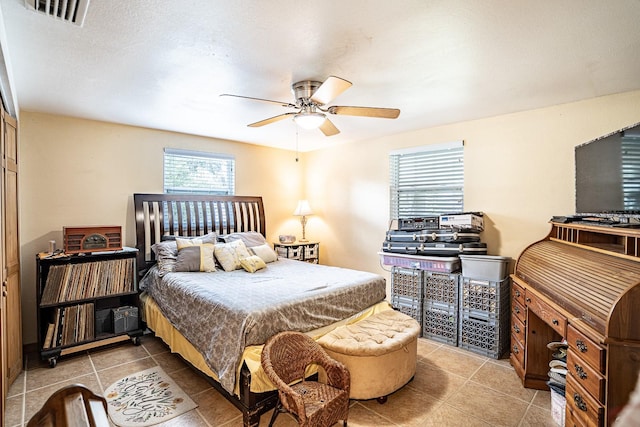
<point>466,221</point>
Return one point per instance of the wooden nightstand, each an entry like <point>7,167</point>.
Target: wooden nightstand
<point>302,251</point>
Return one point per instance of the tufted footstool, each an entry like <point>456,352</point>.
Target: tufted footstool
<point>379,351</point>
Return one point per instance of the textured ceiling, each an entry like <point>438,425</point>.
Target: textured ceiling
<point>163,64</point>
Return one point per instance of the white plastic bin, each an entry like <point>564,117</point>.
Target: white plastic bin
<point>485,267</point>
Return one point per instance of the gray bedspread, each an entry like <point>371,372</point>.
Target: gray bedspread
<point>221,313</point>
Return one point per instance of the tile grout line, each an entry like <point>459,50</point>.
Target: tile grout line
<point>24,393</point>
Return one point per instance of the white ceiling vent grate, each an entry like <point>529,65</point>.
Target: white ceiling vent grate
<point>73,11</point>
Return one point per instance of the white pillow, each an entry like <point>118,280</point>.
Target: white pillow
<point>250,238</point>
<point>182,242</point>
<point>265,252</point>
<point>230,254</point>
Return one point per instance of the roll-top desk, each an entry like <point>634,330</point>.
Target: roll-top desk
<point>580,283</point>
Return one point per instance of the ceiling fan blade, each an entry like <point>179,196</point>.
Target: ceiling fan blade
<point>271,120</point>
<point>283,104</point>
<point>331,88</point>
<point>385,113</point>
<point>328,128</point>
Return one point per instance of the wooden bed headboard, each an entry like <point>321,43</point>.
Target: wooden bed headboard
<point>159,215</point>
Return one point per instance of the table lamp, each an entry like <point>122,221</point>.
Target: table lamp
<point>302,211</point>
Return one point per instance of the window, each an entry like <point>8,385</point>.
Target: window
<point>198,172</point>
<point>426,181</point>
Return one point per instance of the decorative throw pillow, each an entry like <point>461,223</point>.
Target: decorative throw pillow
<point>196,258</point>
<point>252,263</point>
<point>230,254</point>
<point>182,242</point>
<point>250,238</point>
<point>166,255</point>
<point>265,252</point>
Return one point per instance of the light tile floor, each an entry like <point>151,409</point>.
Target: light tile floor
<point>452,387</point>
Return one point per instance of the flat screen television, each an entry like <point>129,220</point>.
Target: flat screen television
<point>608,173</point>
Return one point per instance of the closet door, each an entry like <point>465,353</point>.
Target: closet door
<point>12,328</point>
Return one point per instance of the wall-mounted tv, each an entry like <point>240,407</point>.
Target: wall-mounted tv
<point>608,173</point>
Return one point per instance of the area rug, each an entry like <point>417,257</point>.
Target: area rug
<point>146,398</point>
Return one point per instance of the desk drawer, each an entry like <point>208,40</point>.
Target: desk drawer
<point>517,329</point>
<point>582,406</point>
<point>517,352</point>
<point>585,375</point>
<point>517,293</point>
<point>587,350</point>
<point>520,312</point>
<point>571,421</point>
<point>547,314</point>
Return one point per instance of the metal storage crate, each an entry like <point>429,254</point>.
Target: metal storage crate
<point>488,337</point>
<point>406,282</point>
<point>440,325</point>
<point>441,289</point>
<point>484,298</point>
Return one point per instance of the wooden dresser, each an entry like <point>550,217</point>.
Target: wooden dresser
<point>580,283</point>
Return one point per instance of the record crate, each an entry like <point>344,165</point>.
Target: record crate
<point>483,335</point>
<point>441,289</point>
<point>406,282</point>
<point>440,324</point>
<point>406,291</point>
<point>410,307</point>
<point>485,298</point>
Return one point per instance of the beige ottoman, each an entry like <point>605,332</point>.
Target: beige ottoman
<point>379,351</point>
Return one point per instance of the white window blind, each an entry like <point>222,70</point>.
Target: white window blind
<point>427,181</point>
<point>197,172</point>
<point>630,153</point>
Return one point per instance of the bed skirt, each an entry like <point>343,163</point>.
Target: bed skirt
<point>163,329</point>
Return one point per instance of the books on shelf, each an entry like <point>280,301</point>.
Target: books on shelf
<point>71,324</point>
<point>71,282</point>
<point>48,339</point>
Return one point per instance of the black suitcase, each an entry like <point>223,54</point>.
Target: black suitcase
<point>452,249</point>
<point>410,248</point>
<point>441,235</point>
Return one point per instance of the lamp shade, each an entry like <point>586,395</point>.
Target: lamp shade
<point>303,208</point>
<point>309,120</point>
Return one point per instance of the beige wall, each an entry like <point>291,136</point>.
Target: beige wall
<point>518,171</point>
<point>76,172</point>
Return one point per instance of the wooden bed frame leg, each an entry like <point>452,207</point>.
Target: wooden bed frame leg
<point>250,419</point>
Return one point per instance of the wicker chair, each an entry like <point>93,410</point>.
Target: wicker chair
<point>73,405</point>
<point>284,359</point>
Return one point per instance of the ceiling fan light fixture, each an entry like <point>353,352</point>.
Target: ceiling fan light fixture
<point>309,120</point>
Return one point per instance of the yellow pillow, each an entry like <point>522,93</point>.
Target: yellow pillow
<point>252,263</point>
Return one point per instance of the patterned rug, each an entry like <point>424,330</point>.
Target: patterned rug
<point>146,398</point>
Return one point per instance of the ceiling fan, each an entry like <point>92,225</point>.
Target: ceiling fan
<point>311,102</point>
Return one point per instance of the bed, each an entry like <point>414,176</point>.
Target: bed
<point>218,321</point>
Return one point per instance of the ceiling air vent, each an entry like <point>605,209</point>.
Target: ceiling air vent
<point>73,11</point>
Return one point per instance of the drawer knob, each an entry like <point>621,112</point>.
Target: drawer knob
<point>555,322</point>
<point>517,309</point>
<point>577,400</point>
<point>528,300</point>
<point>580,372</point>
<point>517,293</point>
<point>515,349</point>
<point>581,346</point>
<point>516,328</point>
